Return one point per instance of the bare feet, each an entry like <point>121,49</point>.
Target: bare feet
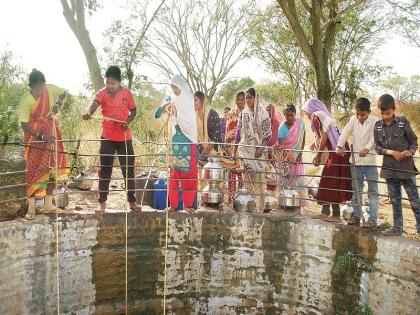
<point>321,217</point>
<point>170,209</point>
<point>333,219</point>
<point>189,210</point>
<point>101,210</point>
<point>134,207</point>
<point>302,211</point>
<point>50,209</point>
<point>30,215</point>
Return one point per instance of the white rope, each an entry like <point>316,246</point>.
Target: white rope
<point>126,224</point>
<point>165,270</point>
<point>54,134</point>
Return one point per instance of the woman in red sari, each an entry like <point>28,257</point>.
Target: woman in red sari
<point>45,158</point>
<point>335,183</point>
<point>235,178</point>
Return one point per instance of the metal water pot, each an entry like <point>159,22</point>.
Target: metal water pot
<point>270,201</point>
<point>244,201</point>
<point>213,171</point>
<point>61,197</point>
<point>288,198</point>
<point>212,195</point>
<point>347,212</point>
<point>83,182</point>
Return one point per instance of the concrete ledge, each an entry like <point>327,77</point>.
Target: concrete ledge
<point>217,263</point>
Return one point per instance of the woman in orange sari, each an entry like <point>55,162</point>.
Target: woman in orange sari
<point>45,158</point>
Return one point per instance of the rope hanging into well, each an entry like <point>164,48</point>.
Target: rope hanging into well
<point>168,141</point>
<point>57,261</point>
<point>126,224</point>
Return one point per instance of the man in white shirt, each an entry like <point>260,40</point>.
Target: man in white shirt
<point>361,126</point>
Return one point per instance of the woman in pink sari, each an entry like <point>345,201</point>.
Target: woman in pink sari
<point>291,140</point>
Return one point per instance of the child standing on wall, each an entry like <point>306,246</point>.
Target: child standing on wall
<point>396,140</point>
<point>361,127</point>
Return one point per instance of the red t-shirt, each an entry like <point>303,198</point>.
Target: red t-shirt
<point>117,108</point>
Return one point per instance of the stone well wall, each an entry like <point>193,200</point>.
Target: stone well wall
<point>218,263</point>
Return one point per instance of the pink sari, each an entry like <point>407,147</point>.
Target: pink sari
<point>287,153</point>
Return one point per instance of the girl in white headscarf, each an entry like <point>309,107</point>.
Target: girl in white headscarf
<point>184,138</point>
<point>254,129</point>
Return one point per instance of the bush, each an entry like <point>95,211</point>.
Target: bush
<point>412,112</point>
<point>11,91</point>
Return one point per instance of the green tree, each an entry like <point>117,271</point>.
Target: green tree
<point>406,14</point>
<point>11,90</point>
<point>276,92</point>
<point>127,37</point>
<point>329,34</point>
<point>75,13</point>
<point>226,95</point>
<point>406,89</point>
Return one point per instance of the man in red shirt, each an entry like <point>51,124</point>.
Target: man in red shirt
<point>118,110</point>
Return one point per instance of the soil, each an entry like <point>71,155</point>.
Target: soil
<point>86,202</point>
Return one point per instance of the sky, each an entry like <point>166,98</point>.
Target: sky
<point>38,36</point>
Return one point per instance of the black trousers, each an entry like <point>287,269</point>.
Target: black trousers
<point>107,155</point>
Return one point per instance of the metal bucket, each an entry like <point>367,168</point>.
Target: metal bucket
<point>288,198</point>
<point>61,197</point>
<point>244,201</point>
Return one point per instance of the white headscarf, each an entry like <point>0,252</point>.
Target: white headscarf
<point>253,129</point>
<point>185,112</point>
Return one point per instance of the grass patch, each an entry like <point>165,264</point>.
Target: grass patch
<point>352,263</point>
<point>385,226</point>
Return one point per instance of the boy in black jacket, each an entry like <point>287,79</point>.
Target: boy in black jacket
<point>395,139</point>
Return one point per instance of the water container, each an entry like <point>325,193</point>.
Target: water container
<point>159,196</point>
<point>141,181</point>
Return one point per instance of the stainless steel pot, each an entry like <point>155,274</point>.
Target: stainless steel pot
<point>346,212</point>
<point>61,197</point>
<point>244,201</point>
<point>213,170</point>
<point>83,182</point>
<point>288,198</point>
<point>270,201</point>
<point>211,195</point>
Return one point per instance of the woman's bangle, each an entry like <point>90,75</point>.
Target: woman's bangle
<point>40,136</point>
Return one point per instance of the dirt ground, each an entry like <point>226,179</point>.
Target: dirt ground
<point>86,202</point>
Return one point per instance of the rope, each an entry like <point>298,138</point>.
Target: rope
<point>126,224</point>
<point>56,216</point>
<point>165,270</point>
<point>359,201</point>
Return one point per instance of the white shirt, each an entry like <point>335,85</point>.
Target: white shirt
<point>362,139</point>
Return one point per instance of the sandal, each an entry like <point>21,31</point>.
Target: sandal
<point>134,207</point>
<point>370,224</point>
<point>189,210</point>
<point>353,221</point>
<point>170,209</point>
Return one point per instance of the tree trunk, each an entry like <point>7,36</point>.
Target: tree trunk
<point>323,82</point>
<point>75,17</point>
<point>91,59</point>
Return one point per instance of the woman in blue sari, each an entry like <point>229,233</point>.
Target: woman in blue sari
<point>291,140</point>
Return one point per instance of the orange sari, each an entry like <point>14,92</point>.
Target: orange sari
<point>41,157</point>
